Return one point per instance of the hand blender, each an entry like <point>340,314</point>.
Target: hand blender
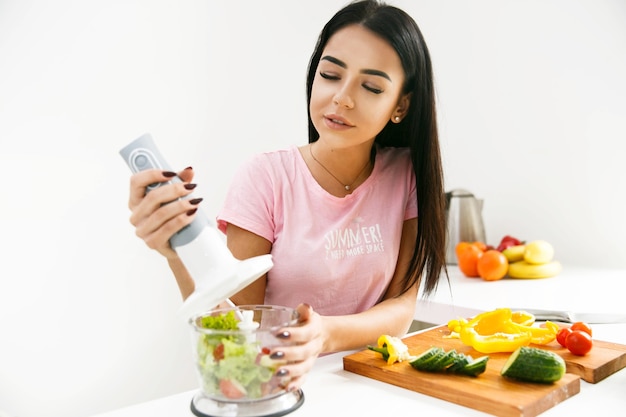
<point>215,271</point>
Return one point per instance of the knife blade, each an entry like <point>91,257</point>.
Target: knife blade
<point>572,317</point>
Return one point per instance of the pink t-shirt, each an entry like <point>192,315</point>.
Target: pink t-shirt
<point>336,254</point>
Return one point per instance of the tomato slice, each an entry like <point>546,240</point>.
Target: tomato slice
<point>218,352</point>
<point>231,389</point>
<point>579,342</point>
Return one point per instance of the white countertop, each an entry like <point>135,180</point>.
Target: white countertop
<point>329,389</point>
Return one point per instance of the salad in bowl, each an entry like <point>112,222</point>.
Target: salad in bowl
<point>232,351</point>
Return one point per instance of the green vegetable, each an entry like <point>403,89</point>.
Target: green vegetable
<point>382,350</point>
<point>426,360</point>
<point>437,359</point>
<point>475,367</point>
<point>233,358</point>
<point>226,321</point>
<point>534,365</point>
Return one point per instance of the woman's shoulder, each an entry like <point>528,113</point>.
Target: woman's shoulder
<point>274,156</point>
<point>272,164</point>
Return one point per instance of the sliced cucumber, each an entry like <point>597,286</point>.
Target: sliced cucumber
<point>534,365</point>
<point>460,361</point>
<point>424,361</point>
<point>438,360</point>
<point>475,367</point>
<point>445,360</point>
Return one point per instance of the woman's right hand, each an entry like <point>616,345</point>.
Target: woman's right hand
<point>160,213</point>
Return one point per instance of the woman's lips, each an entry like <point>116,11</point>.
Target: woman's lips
<point>337,122</point>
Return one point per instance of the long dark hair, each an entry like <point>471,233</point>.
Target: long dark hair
<point>417,131</point>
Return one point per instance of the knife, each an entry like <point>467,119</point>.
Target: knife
<point>572,317</point>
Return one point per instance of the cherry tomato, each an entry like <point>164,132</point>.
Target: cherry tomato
<point>561,336</point>
<point>579,342</point>
<point>579,325</point>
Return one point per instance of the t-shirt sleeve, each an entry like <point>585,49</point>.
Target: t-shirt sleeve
<point>249,200</point>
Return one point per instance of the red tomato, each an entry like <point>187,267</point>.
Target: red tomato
<point>561,336</point>
<point>579,342</point>
<point>579,325</point>
<point>218,352</point>
<point>230,389</point>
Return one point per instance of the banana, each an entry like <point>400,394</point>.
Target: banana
<point>525,270</point>
<point>538,252</point>
<point>514,253</point>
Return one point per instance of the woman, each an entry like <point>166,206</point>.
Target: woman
<point>340,214</point>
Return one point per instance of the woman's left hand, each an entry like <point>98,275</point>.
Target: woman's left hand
<point>308,343</point>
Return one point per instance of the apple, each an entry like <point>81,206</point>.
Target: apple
<point>508,241</point>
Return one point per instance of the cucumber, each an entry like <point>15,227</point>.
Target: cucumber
<point>445,360</point>
<point>436,359</point>
<point>475,367</point>
<point>426,359</point>
<point>460,361</point>
<point>534,365</point>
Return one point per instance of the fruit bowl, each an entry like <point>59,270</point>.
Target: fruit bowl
<point>231,351</point>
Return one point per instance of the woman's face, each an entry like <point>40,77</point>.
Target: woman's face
<point>357,87</point>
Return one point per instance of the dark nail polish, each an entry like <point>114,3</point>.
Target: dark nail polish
<point>190,186</point>
<point>277,355</point>
<point>283,335</point>
<point>187,168</point>
<point>282,372</point>
<point>168,174</point>
<point>192,212</point>
<point>195,201</point>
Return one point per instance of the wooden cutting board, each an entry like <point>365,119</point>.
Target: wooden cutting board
<point>604,359</point>
<point>489,392</point>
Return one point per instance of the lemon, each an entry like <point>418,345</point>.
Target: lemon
<point>538,252</point>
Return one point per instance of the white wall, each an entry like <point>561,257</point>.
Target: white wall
<point>532,104</point>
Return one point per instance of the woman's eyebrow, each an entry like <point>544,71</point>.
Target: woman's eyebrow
<point>363,71</point>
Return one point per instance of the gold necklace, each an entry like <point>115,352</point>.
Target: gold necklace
<point>347,187</point>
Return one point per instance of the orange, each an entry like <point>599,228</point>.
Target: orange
<point>467,257</point>
<point>492,265</point>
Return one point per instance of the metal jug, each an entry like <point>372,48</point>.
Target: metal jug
<point>464,221</point>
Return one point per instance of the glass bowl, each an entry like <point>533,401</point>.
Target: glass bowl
<point>231,352</point>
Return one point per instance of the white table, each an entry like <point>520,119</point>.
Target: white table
<point>329,390</point>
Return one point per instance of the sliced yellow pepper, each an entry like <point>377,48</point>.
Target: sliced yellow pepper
<point>540,335</point>
<point>398,351</point>
<point>523,317</point>
<point>491,322</point>
<point>496,342</point>
<point>501,330</point>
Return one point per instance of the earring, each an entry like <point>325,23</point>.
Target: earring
<point>397,119</point>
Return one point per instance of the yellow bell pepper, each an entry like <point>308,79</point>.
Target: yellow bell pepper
<point>491,322</point>
<point>501,330</point>
<point>523,317</point>
<point>396,348</point>
<point>539,335</point>
<point>496,342</point>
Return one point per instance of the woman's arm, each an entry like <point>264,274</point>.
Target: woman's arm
<point>159,214</point>
<point>318,334</point>
<point>392,316</point>
<point>243,245</point>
